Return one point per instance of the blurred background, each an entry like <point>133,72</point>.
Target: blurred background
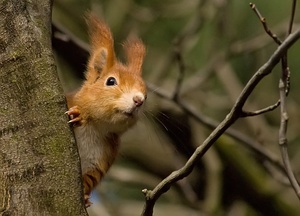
<point>215,46</point>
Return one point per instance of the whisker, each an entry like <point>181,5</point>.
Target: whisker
<point>153,90</point>
<point>167,117</point>
<point>157,119</point>
<point>151,124</point>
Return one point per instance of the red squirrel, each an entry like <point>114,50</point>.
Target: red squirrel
<point>107,104</point>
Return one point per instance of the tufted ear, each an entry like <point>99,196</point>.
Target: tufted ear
<point>102,53</point>
<point>135,52</point>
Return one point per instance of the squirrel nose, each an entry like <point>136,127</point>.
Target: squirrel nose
<point>138,100</point>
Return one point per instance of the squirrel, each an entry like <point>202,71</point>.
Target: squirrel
<point>108,102</point>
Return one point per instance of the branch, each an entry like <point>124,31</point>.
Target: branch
<point>266,69</point>
<point>261,111</point>
<point>283,86</point>
<point>283,138</point>
<point>152,195</point>
<point>292,17</point>
<point>264,23</point>
<point>283,60</point>
<point>258,42</point>
<point>212,124</point>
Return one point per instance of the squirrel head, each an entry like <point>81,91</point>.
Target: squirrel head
<point>113,92</point>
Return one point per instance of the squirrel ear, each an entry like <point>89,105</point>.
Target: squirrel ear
<point>102,43</point>
<point>98,60</point>
<point>96,64</point>
<point>135,52</point>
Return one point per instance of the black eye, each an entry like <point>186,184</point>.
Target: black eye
<point>111,81</point>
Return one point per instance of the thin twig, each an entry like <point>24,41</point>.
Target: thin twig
<point>292,17</point>
<point>283,85</point>
<point>257,42</point>
<point>284,58</point>
<point>212,124</point>
<point>287,87</point>
<point>261,111</point>
<point>264,23</point>
<point>152,195</point>
<point>283,138</point>
<point>278,41</point>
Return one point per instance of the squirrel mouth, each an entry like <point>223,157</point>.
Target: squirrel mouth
<point>130,113</point>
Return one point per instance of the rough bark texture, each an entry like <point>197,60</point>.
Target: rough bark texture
<point>39,165</point>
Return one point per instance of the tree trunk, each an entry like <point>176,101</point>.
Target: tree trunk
<point>39,163</point>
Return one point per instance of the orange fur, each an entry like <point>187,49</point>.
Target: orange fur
<point>135,51</point>
<point>100,37</point>
<point>108,102</point>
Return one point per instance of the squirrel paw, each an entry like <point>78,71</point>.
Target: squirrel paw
<point>74,114</point>
<point>87,201</point>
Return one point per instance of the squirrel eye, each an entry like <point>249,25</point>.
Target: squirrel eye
<point>111,81</point>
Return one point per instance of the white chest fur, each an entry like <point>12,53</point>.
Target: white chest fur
<point>93,147</point>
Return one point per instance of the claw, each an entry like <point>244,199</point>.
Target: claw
<point>88,203</point>
<point>74,114</point>
<point>75,120</point>
<point>73,111</point>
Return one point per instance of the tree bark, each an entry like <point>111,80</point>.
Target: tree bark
<point>39,163</point>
